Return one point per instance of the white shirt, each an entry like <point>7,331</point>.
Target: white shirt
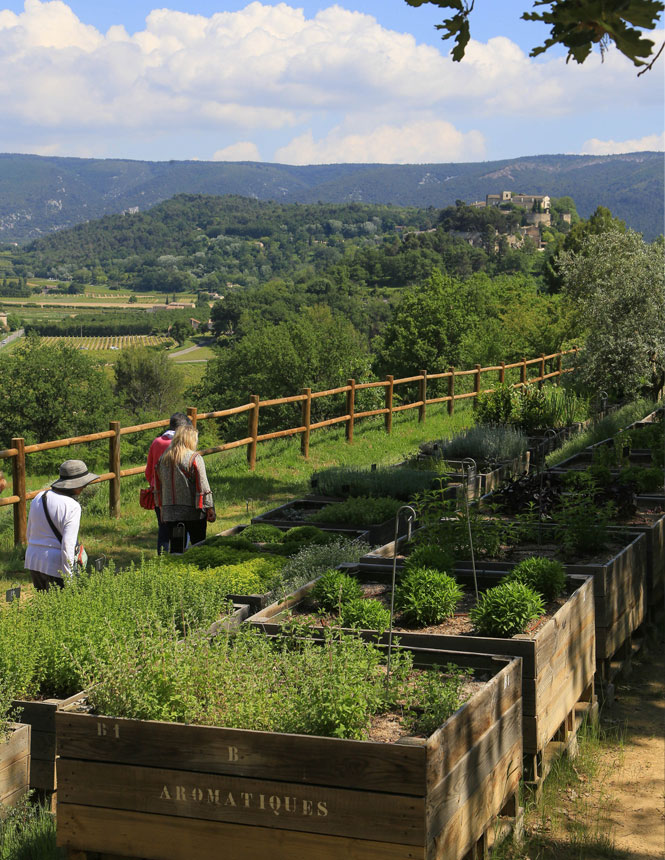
<point>45,553</point>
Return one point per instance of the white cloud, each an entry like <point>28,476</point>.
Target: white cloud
<point>649,143</point>
<point>418,142</point>
<point>242,151</point>
<point>339,76</point>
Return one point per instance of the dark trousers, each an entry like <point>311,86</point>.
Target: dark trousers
<point>42,582</point>
<point>163,534</point>
<point>195,530</point>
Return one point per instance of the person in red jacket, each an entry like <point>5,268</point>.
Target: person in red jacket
<point>159,445</point>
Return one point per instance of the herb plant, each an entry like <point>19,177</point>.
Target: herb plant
<point>334,589</point>
<point>432,556</point>
<point>506,610</point>
<point>544,575</point>
<point>384,481</point>
<point>488,445</point>
<point>426,596</point>
<point>263,533</point>
<point>365,614</point>
<point>357,511</point>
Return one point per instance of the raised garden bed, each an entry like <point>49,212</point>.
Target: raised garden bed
<point>481,482</point>
<point>14,765</point>
<point>166,791</point>
<point>299,511</point>
<point>40,716</point>
<point>558,658</point>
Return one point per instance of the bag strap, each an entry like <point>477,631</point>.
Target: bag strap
<point>48,517</point>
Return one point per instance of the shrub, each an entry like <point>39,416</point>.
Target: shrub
<point>306,534</point>
<point>582,525</point>
<point>506,609</point>
<point>644,480</point>
<point>263,533</point>
<point>386,481</point>
<point>359,511</point>
<point>496,407</point>
<point>425,596</point>
<point>545,575</point>
<point>365,614</point>
<point>488,445</point>
<point>335,588</point>
<point>431,556</point>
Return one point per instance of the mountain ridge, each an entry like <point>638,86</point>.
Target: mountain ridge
<point>43,194</point>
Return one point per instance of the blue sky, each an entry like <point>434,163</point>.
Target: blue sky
<point>308,82</point>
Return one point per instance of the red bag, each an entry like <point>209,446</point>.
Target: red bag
<point>147,499</point>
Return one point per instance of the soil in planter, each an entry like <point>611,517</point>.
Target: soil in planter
<point>457,625</point>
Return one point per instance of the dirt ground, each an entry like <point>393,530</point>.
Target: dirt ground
<point>634,781</point>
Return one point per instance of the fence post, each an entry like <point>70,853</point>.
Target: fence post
<point>523,372</point>
<point>306,420</point>
<point>502,373</point>
<point>451,390</point>
<point>541,381</point>
<point>253,430</point>
<point>558,367</point>
<point>114,466</point>
<point>350,409</point>
<point>191,414</point>
<point>18,475</point>
<point>422,395</point>
<point>389,403</point>
<point>476,386</point>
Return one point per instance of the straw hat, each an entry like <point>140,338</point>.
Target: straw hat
<point>73,474</point>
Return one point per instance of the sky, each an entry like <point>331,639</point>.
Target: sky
<point>307,83</point>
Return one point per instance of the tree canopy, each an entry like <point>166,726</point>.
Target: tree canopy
<point>577,25</point>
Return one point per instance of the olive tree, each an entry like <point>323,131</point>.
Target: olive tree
<point>615,285</point>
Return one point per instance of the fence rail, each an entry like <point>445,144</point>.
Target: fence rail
<point>17,453</point>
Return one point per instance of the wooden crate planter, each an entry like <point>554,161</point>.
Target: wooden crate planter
<point>376,534</point>
<point>654,536</point>
<point>558,661</point>
<point>40,716</point>
<point>14,765</point>
<point>165,791</point>
<point>480,483</point>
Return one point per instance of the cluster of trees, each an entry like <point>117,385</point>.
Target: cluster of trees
<point>116,323</point>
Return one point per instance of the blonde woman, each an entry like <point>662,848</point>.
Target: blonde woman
<point>182,491</point>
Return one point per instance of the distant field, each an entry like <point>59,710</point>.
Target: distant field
<point>112,342</point>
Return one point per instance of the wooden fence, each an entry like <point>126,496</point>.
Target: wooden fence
<point>17,453</point>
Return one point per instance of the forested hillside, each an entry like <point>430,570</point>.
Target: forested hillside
<point>40,194</point>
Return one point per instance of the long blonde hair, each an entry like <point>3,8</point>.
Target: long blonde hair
<point>185,439</point>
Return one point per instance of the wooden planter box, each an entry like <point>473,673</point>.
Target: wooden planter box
<point>558,661</point>
<point>654,536</point>
<point>14,765</point>
<point>480,483</point>
<point>165,791</point>
<point>376,534</point>
<point>40,716</point>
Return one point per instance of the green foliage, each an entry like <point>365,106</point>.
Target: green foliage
<point>329,689</point>
<point>487,445</point>
<point>365,615</point>
<point>426,596</point>
<point>27,832</point>
<point>643,479</point>
<point>496,407</point>
<point>436,697</point>
<point>334,589</point>
<point>582,525</point>
<point>146,381</point>
<point>50,392</point>
<point>314,560</point>
<point>506,610</point>
<point>263,533</point>
<point>431,556</point>
<point>544,575</point>
<point>398,483</point>
<point>577,26</point>
<point>358,511</point>
<point>616,285</point>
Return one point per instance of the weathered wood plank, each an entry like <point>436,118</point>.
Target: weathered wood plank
<point>461,832</point>
<point>14,776</point>
<point>159,837</point>
<point>237,752</point>
<point>473,772</point>
<point>312,808</point>
<point>450,743</point>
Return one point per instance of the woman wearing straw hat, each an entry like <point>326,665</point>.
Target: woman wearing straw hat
<point>53,527</point>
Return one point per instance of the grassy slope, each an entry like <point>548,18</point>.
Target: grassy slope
<point>281,473</point>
